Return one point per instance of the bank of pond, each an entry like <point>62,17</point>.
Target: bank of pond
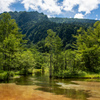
<point>7,75</point>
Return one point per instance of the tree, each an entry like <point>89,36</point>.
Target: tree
<point>49,42</point>
<point>10,41</point>
<point>7,26</point>
<point>88,48</point>
<point>57,55</point>
<point>25,61</point>
<point>53,42</point>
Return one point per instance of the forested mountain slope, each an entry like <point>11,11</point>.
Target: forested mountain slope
<point>35,26</point>
<point>71,20</point>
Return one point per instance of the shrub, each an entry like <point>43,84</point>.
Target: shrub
<point>70,73</point>
<point>3,76</point>
<point>12,73</point>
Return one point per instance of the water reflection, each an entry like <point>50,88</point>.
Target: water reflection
<point>54,85</point>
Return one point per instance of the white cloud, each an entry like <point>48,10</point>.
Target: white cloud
<point>49,16</point>
<point>69,4</point>
<point>88,5</point>
<point>53,7</point>
<point>50,6</point>
<point>79,15</point>
<point>5,5</point>
<point>96,15</point>
<point>84,5</point>
<point>96,18</point>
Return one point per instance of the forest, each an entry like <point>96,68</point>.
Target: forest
<point>31,41</point>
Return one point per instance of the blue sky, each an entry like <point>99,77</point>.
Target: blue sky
<point>88,9</point>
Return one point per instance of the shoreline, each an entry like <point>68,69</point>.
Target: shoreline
<point>12,91</point>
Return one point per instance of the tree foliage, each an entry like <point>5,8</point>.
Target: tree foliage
<point>88,49</point>
<point>54,48</point>
<point>13,56</point>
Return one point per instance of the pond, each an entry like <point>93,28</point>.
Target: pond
<point>75,89</point>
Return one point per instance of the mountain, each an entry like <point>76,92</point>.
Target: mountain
<point>35,26</point>
<point>71,20</point>
<point>25,20</point>
<point>24,17</point>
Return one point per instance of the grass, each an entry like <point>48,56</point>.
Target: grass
<point>70,74</point>
<point>76,74</point>
<point>92,75</point>
<point>61,74</point>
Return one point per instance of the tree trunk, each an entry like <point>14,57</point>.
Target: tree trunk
<point>50,69</point>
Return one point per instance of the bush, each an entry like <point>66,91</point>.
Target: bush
<point>12,73</point>
<point>69,74</point>
<point>82,73</point>
<point>6,75</point>
<point>1,71</point>
<point>3,76</point>
<point>17,73</point>
<point>23,72</point>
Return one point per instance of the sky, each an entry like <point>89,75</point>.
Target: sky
<point>83,9</point>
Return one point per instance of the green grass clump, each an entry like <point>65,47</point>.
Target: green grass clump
<point>92,75</point>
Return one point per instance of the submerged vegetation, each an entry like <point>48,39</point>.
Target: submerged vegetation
<point>50,55</point>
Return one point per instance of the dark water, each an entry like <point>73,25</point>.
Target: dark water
<point>52,86</point>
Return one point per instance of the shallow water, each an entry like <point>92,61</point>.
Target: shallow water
<point>78,89</point>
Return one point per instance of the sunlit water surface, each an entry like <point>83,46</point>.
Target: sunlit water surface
<point>71,88</point>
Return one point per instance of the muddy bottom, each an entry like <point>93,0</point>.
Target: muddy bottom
<point>43,88</point>
<point>18,92</point>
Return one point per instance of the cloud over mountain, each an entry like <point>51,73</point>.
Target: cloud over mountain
<point>79,15</point>
<point>83,5</point>
<point>5,5</point>
<point>45,5</point>
<point>54,7</point>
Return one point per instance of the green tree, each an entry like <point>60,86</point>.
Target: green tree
<point>25,61</point>
<point>49,42</point>
<point>88,48</point>
<point>57,55</point>
<point>10,42</point>
<point>53,42</point>
<point>7,26</point>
